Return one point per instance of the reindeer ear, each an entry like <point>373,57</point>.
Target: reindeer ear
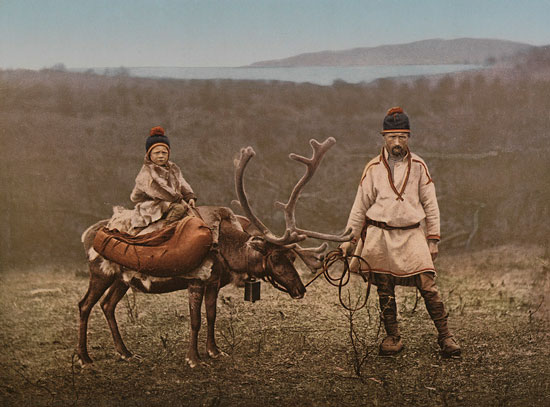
<point>258,243</point>
<point>248,226</point>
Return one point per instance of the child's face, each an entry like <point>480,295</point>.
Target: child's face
<point>159,155</point>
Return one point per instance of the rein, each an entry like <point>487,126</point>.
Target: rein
<point>342,280</point>
<point>330,259</point>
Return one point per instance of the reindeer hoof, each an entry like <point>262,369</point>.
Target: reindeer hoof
<point>123,357</point>
<point>83,361</point>
<point>84,365</point>
<point>215,354</point>
<point>194,362</point>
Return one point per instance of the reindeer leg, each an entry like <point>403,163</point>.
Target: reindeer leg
<point>210,300</point>
<point>196,294</point>
<point>108,304</point>
<point>99,282</point>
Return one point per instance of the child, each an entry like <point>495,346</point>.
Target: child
<point>160,192</point>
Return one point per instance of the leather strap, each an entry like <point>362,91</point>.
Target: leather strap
<point>385,226</point>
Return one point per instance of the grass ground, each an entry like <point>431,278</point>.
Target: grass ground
<point>286,352</point>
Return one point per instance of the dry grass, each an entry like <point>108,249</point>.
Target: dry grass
<point>282,351</point>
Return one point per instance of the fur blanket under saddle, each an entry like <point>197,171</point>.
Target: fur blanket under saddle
<point>172,251</point>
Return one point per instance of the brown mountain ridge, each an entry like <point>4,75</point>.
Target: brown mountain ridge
<point>425,52</point>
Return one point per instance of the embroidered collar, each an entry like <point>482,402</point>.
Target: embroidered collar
<point>384,159</point>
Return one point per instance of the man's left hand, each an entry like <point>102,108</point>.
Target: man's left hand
<point>191,203</point>
<point>432,245</point>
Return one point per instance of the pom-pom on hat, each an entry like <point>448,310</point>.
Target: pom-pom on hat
<point>396,121</point>
<point>156,137</point>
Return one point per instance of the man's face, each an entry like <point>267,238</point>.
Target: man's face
<point>159,155</point>
<point>397,143</point>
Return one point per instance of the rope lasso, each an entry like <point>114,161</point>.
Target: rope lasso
<point>335,256</point>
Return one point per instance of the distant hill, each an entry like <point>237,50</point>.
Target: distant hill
<point>427,52</point>
<point>483,132</point>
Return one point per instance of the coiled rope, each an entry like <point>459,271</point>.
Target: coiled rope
<point>336,256</point>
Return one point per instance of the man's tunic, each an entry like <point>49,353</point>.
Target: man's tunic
<point>401,199</point>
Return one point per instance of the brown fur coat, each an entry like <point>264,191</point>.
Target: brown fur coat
<point>156,188</point>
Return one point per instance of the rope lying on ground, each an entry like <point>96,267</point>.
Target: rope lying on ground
<point>340,281</point>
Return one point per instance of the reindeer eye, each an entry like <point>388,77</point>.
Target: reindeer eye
<point>258,244</point>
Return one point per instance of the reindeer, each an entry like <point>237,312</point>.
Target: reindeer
<point>243,247</point>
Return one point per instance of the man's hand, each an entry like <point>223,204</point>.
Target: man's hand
<point>347,248</point>
<point>432,245</point>
<point>191,203</point>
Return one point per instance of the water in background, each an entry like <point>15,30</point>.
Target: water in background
<point>324,75</point>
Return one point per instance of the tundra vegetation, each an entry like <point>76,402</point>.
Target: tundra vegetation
<point>72,144</point>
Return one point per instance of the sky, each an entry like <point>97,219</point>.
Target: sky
<point>36,34</point>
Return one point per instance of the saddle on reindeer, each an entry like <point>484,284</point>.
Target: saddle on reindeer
<point>174,250</point>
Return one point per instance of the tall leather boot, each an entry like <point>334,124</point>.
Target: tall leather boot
<point>392,343</point>
<point>447,343</point>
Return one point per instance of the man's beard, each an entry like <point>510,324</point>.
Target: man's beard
<point>398,151</point>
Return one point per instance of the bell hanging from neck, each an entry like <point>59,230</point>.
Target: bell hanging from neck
<point>251,289</point>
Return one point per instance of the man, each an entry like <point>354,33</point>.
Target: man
<point>395,224</point>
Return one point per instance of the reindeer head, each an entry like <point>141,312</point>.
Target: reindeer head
<point>278,253</point>
<point>275,264</point>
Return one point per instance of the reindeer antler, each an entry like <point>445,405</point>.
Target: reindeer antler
<point>289,236</point>
<point>292,234</point>
<point>311,256</point>
<point>319,151</point>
